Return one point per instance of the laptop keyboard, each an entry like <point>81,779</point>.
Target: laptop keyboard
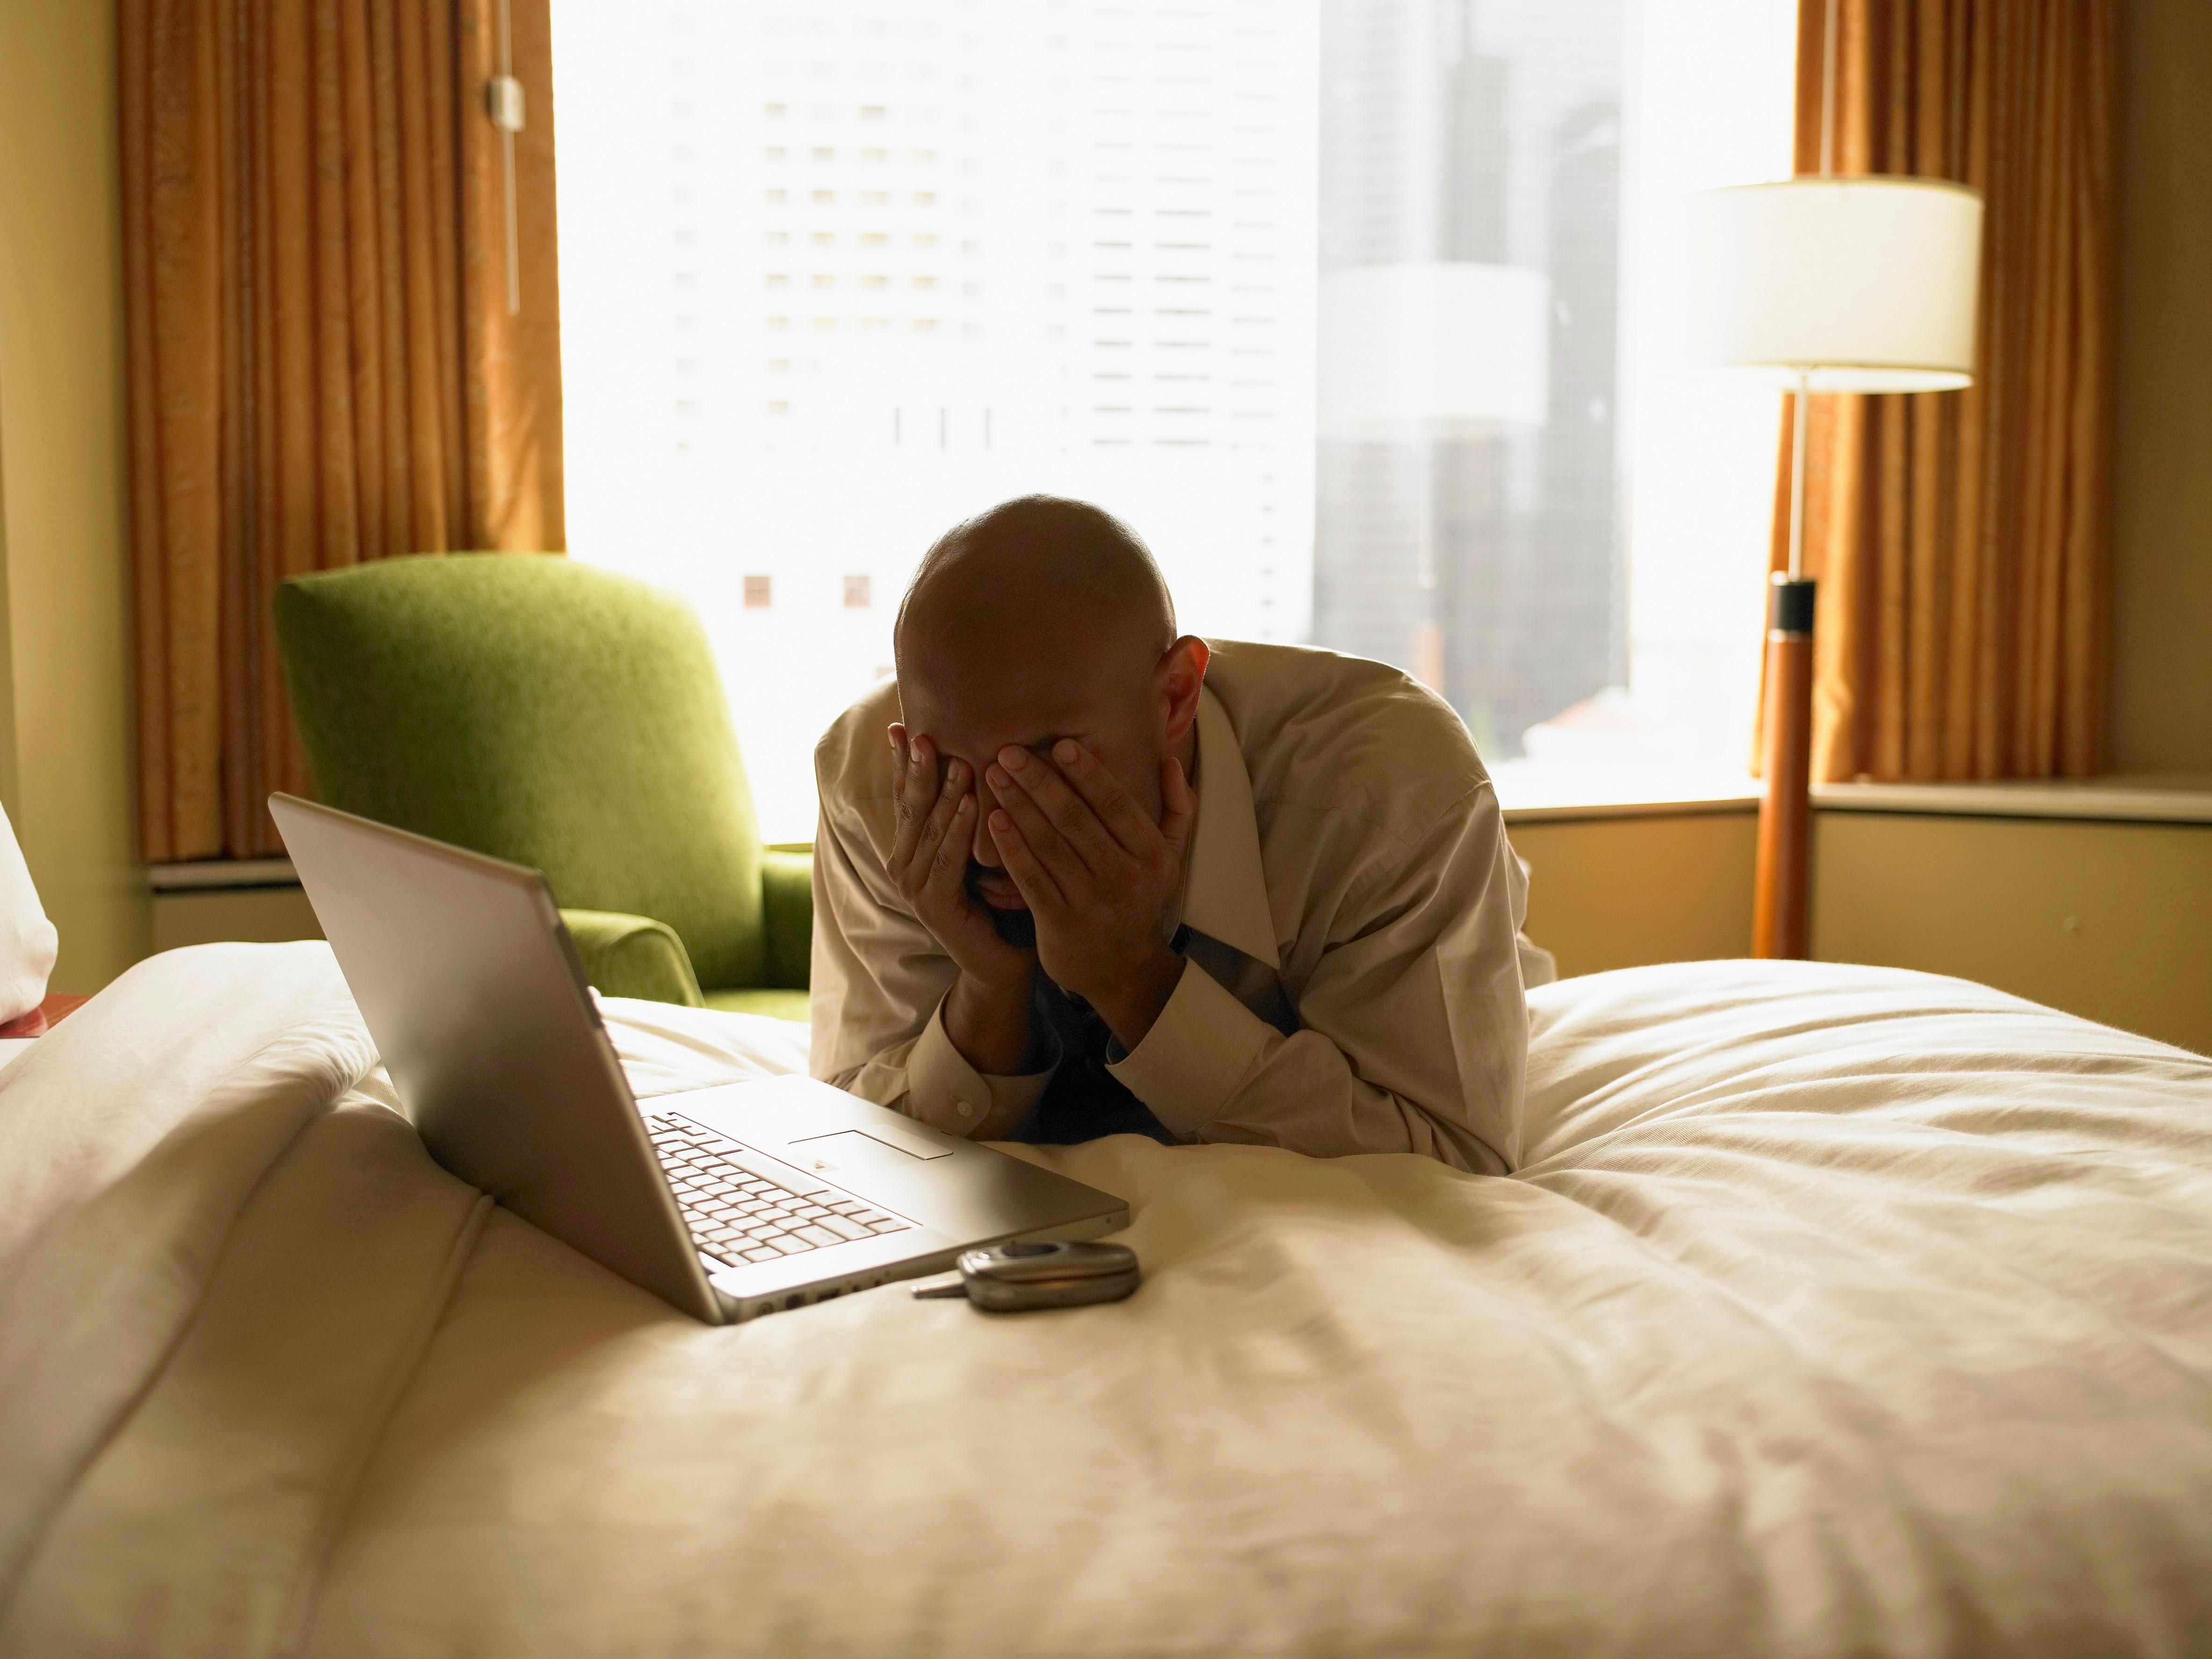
<point>740,1216</point>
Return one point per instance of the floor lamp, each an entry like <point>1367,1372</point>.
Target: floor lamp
<point>1823,284</point>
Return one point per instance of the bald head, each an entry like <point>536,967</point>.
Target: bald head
<point>1037,572</point>
<point>1039,620</point>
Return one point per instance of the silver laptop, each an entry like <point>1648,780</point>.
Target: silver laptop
<point>727,1202</point>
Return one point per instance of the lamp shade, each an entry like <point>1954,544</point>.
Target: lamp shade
<point>1861,284</point>
<point>1431,348</point>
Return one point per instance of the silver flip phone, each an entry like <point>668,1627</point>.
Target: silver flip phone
<point>1015,1277</point>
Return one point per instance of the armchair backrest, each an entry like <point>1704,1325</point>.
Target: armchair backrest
<point>541,711</point>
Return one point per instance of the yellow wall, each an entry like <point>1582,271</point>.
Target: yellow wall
<point>257,915</point>
<point>65,754</point>
<point>2162,574</point>
<point>1620,892</point>
<point>2113,921</point>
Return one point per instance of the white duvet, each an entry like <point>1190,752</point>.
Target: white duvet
<point>1837,1310</point>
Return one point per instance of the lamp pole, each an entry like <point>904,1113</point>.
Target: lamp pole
<point>1822,283</point>
<point>1782,891</point>
<point>1781,918</point>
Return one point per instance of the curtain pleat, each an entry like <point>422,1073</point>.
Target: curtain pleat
<point>511,495</point>
<point>314,242</point>
<point>1962,538</point>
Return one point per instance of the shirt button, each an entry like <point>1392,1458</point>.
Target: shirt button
<point>965,1107</point>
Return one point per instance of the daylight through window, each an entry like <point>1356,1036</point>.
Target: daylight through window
<point>836,274</point>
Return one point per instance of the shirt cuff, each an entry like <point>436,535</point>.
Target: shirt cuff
<point>947,1093</point>
<point>1197,1054</point>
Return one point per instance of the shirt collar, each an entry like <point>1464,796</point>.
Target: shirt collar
<point>1225,891</point>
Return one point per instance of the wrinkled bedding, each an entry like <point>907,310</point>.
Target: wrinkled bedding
<point>1836,1311</point>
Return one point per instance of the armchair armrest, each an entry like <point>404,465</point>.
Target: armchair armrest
<point>788,895</point>
<point>633,957</point>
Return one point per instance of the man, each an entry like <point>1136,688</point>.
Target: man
<point>1077,874</point>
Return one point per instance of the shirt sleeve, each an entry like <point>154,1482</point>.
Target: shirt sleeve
<point>878,980</point>
<point>1414,1022</point>
<point>944,1089</point>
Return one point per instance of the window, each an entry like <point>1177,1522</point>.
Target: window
<point>1176,268</point>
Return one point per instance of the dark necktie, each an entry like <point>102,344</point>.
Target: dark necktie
<point>1084,1100</point>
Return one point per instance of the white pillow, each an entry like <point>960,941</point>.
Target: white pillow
<point>27,940</point>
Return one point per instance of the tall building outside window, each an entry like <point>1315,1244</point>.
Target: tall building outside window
<point>838,273</point>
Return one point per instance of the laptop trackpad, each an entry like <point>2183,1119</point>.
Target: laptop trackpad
<point>860,1148</point>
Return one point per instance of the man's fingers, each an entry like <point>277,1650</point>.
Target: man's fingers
<point>1069,813</point>
<point>1052,849</point>
<point>900,756</point>
<point>1030,875</point>
<point>1114,806</point>
<point>897,735</point>
<point>914,793</point>
<point>1179,804</point>
<point>929,819</point>
<point>937,838</point>
<point>949,797</point>
<point>944,879</point>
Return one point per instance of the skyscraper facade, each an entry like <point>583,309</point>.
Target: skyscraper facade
<point>836,274</point>
<point>882,262</point>
<point>1492,560</point>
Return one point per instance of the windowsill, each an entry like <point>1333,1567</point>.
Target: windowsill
<point>1535,796</point>
<point>2116,798</point>
<point>220,875</point>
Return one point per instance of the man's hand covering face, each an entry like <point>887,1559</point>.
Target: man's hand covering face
<point>928,864</point>
<point>1099,876</point>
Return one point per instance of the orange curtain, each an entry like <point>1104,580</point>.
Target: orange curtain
<point>1963,538</point>
<point>324,365</point>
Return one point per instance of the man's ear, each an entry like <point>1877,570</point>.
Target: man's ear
<point>1177,681</point>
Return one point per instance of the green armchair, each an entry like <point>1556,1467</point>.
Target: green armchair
<point>563,717</point>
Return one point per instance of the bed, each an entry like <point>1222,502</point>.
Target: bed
<point>1836,1311</point>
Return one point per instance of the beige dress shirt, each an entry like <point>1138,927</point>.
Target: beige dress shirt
<point>1348,867</point>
